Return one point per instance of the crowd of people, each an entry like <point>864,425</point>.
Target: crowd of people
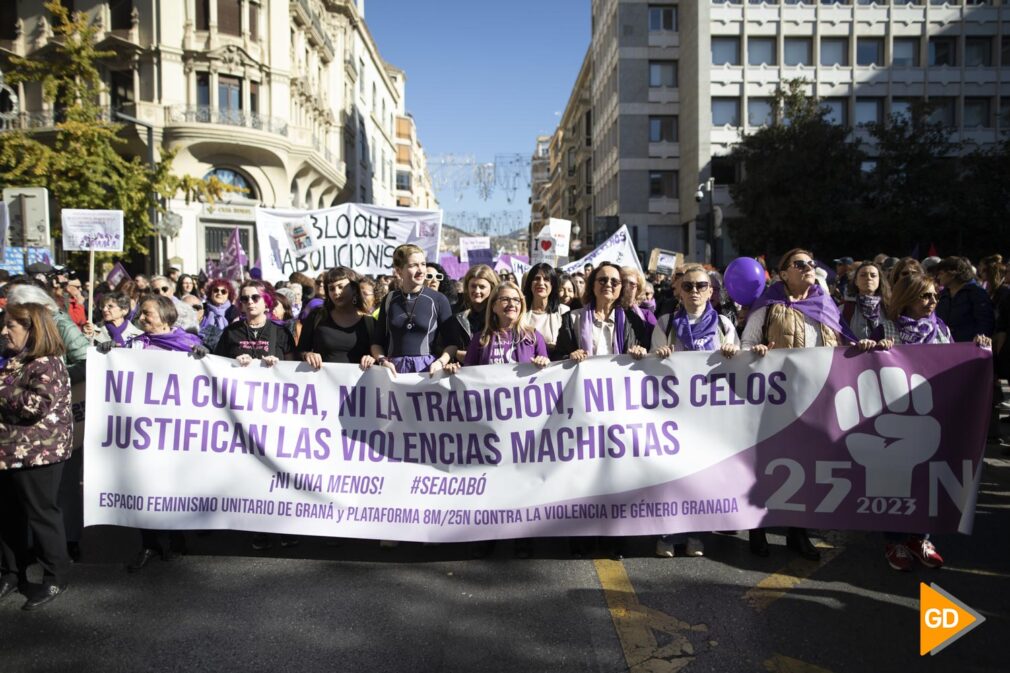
<point>417,319</point>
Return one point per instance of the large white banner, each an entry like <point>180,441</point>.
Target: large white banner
<point>617,249</point>
<point>355,235</point>
<point>98,230</point>
<point>609,446</point>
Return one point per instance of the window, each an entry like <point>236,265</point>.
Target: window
<point>232,177</point>
<point>725,112</point>
<point>254,97</point>
<point>725,51</point>
<point>943,51</point>
<point>869,51</point>
<point>229,99</point>
<point>120,14</point>
<point>229,17</point>
<point>977,113</point>
<point>588,123</point>
<point>943,111</point>
<point>905,52</point>
<point>662,18</point>
<point>798,51</point>
<point>254,21</point>
<point>361,77</point>
<point>761,51</point>
<point>203,89</point>
<point>571,161</point>
<point>662,73</point>
<point>837,111</point>
<point>760,111</point>
<point>663,129</point>
<point>662,184</point>
<point>834,51</point>
<point>869,111</point>
<point>403,181</point>
<point>724,170</point>
<point>589,175</point>
<point>978,52</point>
<point>901,107</point>
<point>1004,50</point>
<point>202,14</point>
<point>1004,112</point>
<point>120,88</point>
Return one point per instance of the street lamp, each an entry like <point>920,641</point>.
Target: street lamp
<point>713,252</point>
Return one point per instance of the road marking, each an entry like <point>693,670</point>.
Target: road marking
<point>976,571</point>
<point>635,624</point>
<point>779,583</point>
<point>782,664</point>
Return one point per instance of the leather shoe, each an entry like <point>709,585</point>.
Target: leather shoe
<point>797,540</point>
<point>7,587</point>
<point>142,559</point>
<point>46,593</point>
<point>759,543</point>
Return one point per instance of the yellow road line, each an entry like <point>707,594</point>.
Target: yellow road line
<point>635,624</point>
<point>976,571</point>
<point>779,583</point>
<point>783,664</point>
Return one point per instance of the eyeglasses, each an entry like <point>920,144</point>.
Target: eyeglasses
<point>510,300</point>
<point>250,298</point>
<point>929,296</point>
<point>612,282</point>
<point>700,286</point>
<point>802,264</point>
<point>434,276</point>
<point>164,289</point>
<point>219,290</point>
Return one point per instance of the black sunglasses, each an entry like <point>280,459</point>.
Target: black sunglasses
<point>802,264</point>
<point>250,298</point>
<point>166,289</point>
<point>700,286</point>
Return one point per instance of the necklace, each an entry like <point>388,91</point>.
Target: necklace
<point>255,331</point>
<point>410,314</point>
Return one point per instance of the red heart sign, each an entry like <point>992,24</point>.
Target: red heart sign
<point>546,245</point>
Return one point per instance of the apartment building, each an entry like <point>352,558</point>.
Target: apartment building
<point>413,181</point>
<point>674,84</point>
<point>540,174</point>
<point>288,99</point>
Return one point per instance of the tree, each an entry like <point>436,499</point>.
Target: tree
<point>984,200</point>
<point>800,181</point>
<point>80,161</point>
<point>909,194</point>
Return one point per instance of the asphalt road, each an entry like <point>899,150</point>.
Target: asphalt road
<point>354,607</point>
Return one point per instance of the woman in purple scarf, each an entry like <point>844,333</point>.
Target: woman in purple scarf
<point>116,327</point>
<point>864,313</point>
<point>220,311</point>
<point>911,319</point>
<point>632,296</point>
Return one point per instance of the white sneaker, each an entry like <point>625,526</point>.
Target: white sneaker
<point>664,549</point>
<point>695,547</point>
<point>388,544</point>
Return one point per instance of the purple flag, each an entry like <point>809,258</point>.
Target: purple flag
<point>233,258</point>
<point>117,275</point>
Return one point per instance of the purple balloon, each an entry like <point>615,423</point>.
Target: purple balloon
<point>744,280</point>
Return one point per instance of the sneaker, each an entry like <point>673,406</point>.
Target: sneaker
<point>261,541</point>
<point>923,550</point>
<point>694,547</point>
<point>664,548</point>
<point>898,557</point>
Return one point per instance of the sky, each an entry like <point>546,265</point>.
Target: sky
<point>483,78</point>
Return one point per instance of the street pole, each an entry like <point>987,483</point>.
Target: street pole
<point>153,212</point>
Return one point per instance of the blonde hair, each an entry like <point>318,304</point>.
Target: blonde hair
<point>632,272</point>
<point>524,331</point>
<point>403,253</point>
<point>906,292</point>
<point>483,272</point>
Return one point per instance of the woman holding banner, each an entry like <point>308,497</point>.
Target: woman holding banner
<point>911,319</point>
<point>632,296</point>
<point>220,311</point>
<point>794,313</point>
<point>863,314</point>
<point>36,424</point>
<point>505,338</point>
<point>478,284</point>
<point>116,307</point>
<point>337,332</point>
<point>695,326</point>
<point>255,336</point>
<point>601,327</point>
<point>412,320</point>
<point>541,292</point>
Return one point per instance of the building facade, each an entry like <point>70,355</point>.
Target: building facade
<point>289,100</point>
<point>675,84</point>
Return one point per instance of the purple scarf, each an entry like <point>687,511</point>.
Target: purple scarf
<point>527,347</point>
<point>586,330</point>
<point>313,304</point>
<point>817,306</point>
<point>117,332</point>
<point>648,317</point>
<point>176,340</point>
<point>648,305</point>
<point>703,336</point>
<point>869,306</point>
<point>922,331</point>
<point>215,315</point>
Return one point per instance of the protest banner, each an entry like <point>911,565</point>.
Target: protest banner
<point>519,268</point>
<point>617,249</point>
<point>468,243</point>
<point>561,231</point>
<point>94,230</point>
<point>355,235</point>
<point>816,437</point>
<point>481,256</point>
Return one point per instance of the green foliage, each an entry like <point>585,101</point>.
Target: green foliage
<point>800,182</point>
<point>81,161</point>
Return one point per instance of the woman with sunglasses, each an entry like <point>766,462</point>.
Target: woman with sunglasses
<point>632,296</point>
<point>478,284</point>
<point>255,336</point>
<point>541,294</point>
<point>794,312</point>
<point>220,311</point>
<point>695,326</point>
<point>115,325</point>
<point>911,319</point>
<point>601,327</point>
<point>337,332</point>
<point>864,312</point>
<point>505,338</point>
<point>438,280</point>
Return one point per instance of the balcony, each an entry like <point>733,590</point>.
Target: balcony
<point>302,10</point>
<point>202,114</point>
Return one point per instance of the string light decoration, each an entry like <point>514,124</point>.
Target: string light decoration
<point>454,175</point>
<point>495,223</point>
